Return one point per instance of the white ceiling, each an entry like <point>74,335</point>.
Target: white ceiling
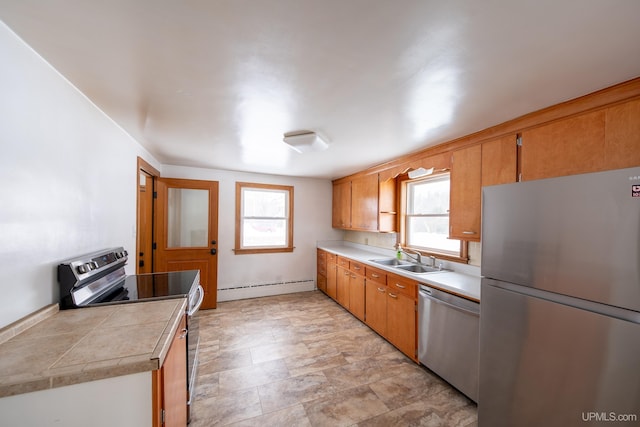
<point>216,83</point>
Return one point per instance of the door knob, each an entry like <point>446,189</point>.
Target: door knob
<point>213,251</point>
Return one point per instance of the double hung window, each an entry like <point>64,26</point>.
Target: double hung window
<point>426,216</point>
<point>264,218</point>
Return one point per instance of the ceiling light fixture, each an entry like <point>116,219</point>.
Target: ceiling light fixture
<point>420,172</point>
<point>305,141</point>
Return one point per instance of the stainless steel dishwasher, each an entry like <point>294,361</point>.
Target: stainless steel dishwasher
<point>449,330</point>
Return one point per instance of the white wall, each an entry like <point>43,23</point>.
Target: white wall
<point>67,179</point>
<point>312,222</point>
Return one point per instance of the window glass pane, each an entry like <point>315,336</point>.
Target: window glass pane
<point>264,203</point>
<point>264,232</point>
<point>187,217</point>
<point>429,197</point>
<point>427,215</point>
<point>430,233</point>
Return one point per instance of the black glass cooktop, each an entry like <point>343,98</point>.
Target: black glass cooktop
<point>175,284</point>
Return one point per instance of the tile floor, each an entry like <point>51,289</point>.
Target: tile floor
<point>302,360</point>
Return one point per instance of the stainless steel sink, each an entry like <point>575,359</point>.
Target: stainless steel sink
<point>418,268</point>
<point>391,262</point>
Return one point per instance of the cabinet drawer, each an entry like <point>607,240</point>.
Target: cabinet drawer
<point>376,275</point>
<point>403,285</point>
<point>343,262</point>
<point>332,257</point>
<point>357,267</point>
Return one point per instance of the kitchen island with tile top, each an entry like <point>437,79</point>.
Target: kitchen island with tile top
<point>91,366</point>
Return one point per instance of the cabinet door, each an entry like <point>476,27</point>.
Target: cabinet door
<point>464,213</point>
<point>565,147</point>
<point>622,136</point>
<point>322,270</point>
<point>322,283</point>
<point>401,323</point>
<point>341,207</point>
<point>499,161</point>
<point>356,295</point>
<point>376,306</point>
<point>332,278</point>
<point>174,380</point>
<point>342,291</point>
<point>364,203</point>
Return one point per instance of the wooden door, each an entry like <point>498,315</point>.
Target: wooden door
<point>147,175</point>
<point>187,231</point>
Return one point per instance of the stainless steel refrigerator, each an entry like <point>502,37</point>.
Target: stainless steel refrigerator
<point>560,302</point>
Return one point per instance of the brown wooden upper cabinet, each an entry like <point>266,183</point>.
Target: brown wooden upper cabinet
<point>364,204</point>
<point>622,135</point>
<point>464,202</point>
<point>341,208</point>
<point>565,147</point>
<point>490,163</point>
<point>600,140</point>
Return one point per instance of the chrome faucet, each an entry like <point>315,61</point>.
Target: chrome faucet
<point>418,255</point>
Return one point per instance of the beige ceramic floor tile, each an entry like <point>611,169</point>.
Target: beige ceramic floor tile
<point>293,416</point>
<point>345,408</point>
<point>252,376</point>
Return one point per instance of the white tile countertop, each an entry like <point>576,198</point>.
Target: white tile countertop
<point>462,280</point>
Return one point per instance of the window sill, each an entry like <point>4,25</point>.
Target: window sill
<point>262,251</point>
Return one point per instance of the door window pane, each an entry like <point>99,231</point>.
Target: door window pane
<point>188,218</point>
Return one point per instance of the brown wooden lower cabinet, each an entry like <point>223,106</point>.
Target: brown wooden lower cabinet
<point>322,271</point>
<point>376,307</point>
<point>356,295</point>
<point>342,284</point>
<point>332,276</point>
<point>384,301</point>
<point>170,384</point>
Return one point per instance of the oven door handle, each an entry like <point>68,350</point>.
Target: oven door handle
<point>196,307</point>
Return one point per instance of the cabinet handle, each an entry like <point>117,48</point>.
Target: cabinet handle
<point>381,290</point>
<point>353,276</point>
<point>393,295</point>
<point>398,285</point>
<point>375,276</point>
<point>468,232</point>
<point>356,268</point>
<point>183,335</point>
<point>346,273</point>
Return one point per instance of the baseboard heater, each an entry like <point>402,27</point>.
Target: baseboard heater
<point>254,290</point>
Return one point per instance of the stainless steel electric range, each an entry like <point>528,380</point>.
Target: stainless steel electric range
<point>99,278</point>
